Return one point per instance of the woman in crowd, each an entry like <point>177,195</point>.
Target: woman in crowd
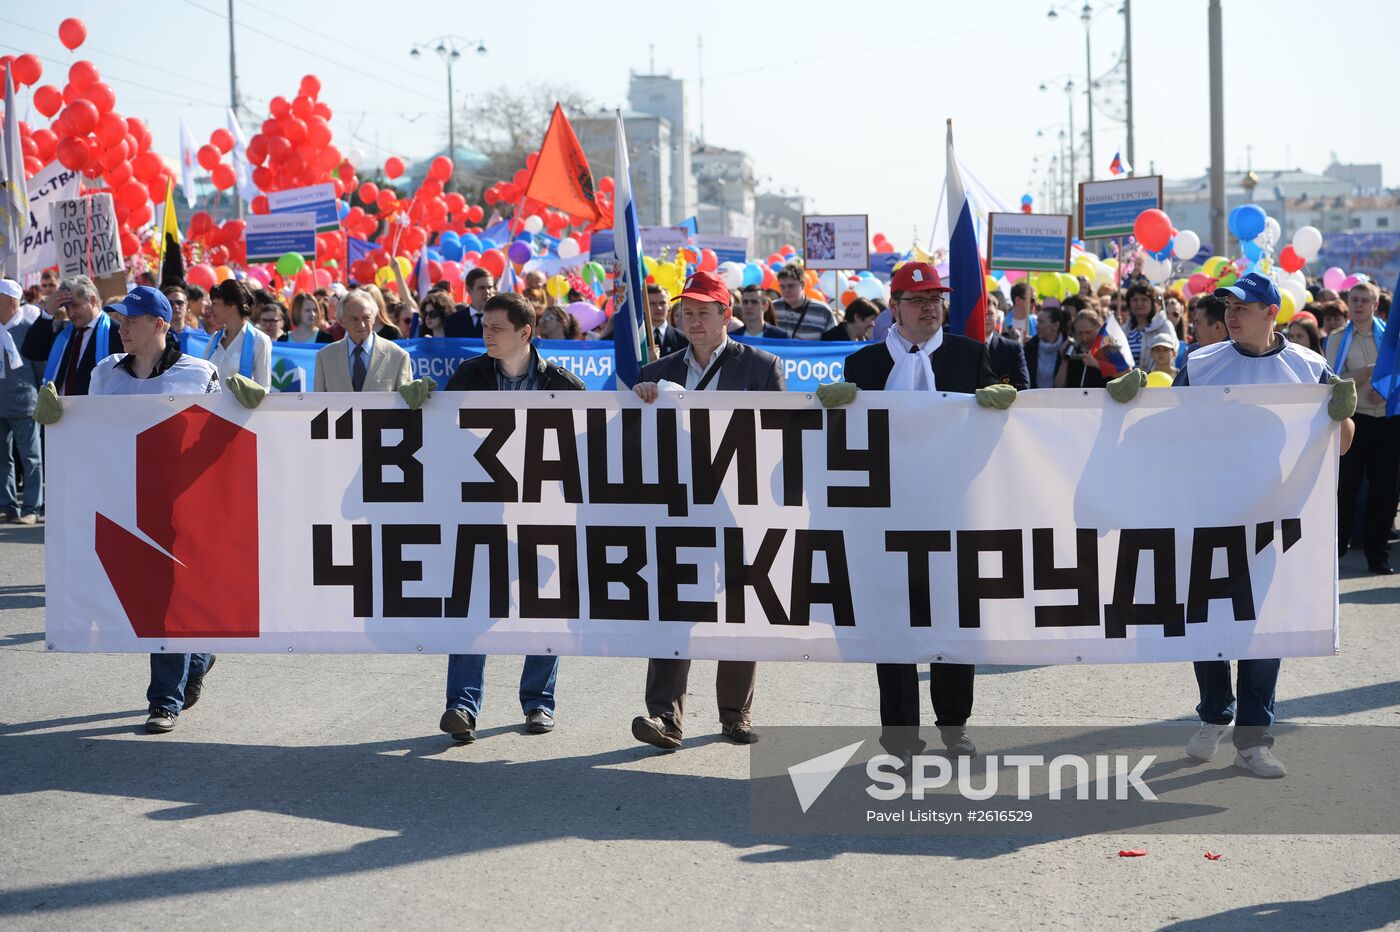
<point>1145,319</point>
<point>1080,369</point>
<point>1303,330</point>
<point>437,307</point>
<point>538,298</point>
<point>308,319</point>
<point>558,324</point>
<point>384,324</point>
<point>1046,350</point>
<point>237,348</point>
<point>271,319</point>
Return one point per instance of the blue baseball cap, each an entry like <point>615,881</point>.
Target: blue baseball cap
<point>1252,288</point>
<point>143,299</point>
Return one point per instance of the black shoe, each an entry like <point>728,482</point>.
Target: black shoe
<point>539,722</point>
<point>659,732</point>
<point>1380,568</point>
<point>459,724</point>
<point>194,688</point>
<point>957,742</point>
<point>160,721</point>
<point>740,733</point>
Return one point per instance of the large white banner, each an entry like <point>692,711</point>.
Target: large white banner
<point>1193,523</point>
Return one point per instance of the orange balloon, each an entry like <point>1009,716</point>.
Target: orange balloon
<point>847,297</point>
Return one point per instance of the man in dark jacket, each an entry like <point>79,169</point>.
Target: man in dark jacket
<point>711,361</point>
<point>1007,357</point>
<point>510,364</point>
<point>19,392</point>
<point>919,354</point>
<point>71,336</point>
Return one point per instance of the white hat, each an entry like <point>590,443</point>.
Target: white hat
<point>10,288</point>
<point>1161,339</point>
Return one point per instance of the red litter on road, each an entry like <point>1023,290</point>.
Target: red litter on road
<point>1212,856</point>
<point>1133,853</point>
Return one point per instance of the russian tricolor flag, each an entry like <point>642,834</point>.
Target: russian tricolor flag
<point>967,309</point>
<point>1111,349</point>
<point>630,337</point>
<point>1119,165</point>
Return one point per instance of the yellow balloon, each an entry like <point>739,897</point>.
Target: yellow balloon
<point>650,264</point>
<point>1083,266</point>
<point>1213,265</point>
<point>992,284</point>
<point>1069,285</point>
<point>1287,307</point>
<point>1111,262</point>
<point>557,286</point>
<point>1158,379</point>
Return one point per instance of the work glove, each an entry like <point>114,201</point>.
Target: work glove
<point>50,408</point>
<point>249,393</point>
<point>1340,406</point>
<point>836,394</point>
<point>416,392</point>
<point>1126,387</point>
<point>998,396</point>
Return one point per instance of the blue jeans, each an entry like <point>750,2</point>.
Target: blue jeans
<point>169,674</point>
<point>1257,679</point>
<point>466,674</point>
<point>26,435</point>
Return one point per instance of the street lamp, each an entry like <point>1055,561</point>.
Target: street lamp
<point>1085,15</point>
<point>449,49</point>
<point>1069,100</point>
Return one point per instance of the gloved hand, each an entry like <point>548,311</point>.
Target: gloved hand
<point>416,392</point>
<point>249,393</point>
<point>1126,387</point>
<point>1340,406</point>
<point>996,396</point>
<point>50,408</point>
<point>836,394</point>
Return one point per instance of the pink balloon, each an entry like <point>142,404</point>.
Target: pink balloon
<point>261,275</point>
<point>1351,281</point>
<point>586,314</point>
<point>1333,278</point>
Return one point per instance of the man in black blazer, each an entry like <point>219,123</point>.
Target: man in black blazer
<point>715,362</point>
<point>466,322</point>
<point>77,302</point>
<point>958,364</point>
<point>666,336</point>
<point>510,364</point>
<point>1007,356</point>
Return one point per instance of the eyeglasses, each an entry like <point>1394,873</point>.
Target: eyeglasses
<point>932,301</point>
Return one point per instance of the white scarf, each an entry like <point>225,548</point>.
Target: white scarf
<point>912,372</point>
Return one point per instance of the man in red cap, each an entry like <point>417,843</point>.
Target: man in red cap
<point>712,361</point>
<point>918,355</point>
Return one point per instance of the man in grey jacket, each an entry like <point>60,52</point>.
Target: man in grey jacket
<point>19,386</point>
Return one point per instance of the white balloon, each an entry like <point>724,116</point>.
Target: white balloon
<point>1307,242</point>
<point>870,288</point>
<point>356,157</point>
<point>832,284</point>
<point>568,247</point>
<point>1156,270</point>
<point>1187,245</point>
<point>732,274</point>
<point>1272,231</point>
<point>1299,293</point>
<point>533,224</point>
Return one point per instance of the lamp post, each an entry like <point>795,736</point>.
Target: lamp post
<point>1069,100</point>
<point>449,49</point>
<point>1085,15</point>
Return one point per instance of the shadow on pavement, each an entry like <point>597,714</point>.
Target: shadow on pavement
<point>1371,907</point>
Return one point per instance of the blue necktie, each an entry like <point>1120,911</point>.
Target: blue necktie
<point>357,369</point>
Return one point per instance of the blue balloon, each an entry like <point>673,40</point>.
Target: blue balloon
<point>450,245</point>
<point>342,208</point>
<point>1247,221</point>
<point>753,275</point>
<point>471,243</point>
<point>487,243</point>
<point>526,238</point>
<point>1025,199</point>
<point>1250,249</point>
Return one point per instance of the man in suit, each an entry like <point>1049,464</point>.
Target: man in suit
<point>510,364</point>
<point>666,336</point>
<point>711,361</point>
<point>1008,357</point>
<point>70,352</point>
<point>481,285</point>
<point>918,354</point>
<point>361,362</point>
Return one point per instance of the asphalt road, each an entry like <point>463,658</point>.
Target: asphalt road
<point>316,791</point>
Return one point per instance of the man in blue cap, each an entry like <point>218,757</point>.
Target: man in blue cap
<point>152,365</point>
<point>1255,354</point>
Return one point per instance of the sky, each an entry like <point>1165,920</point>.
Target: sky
<point>845,103</point>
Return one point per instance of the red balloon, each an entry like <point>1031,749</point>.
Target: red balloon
<point>369,191</point>
<point>113,155</point>
<point>208,157</point>
<point>294,129</point>
<point>260,204</point>
<point>146,166</point>
<point>441,169</point>
<point>111,129</point>
<point>362,270</point>
<point>263,178</point>
<point>507,192</point>
<point>221,139</point>
<point>318,133</point>
<point>219,255</point>
<point>72,33</point>
<point>1153,229</point>
<point>708,260</point>
<point>521,178</point>
<point>48,100</point>
<point>475,213</point>
<point>279,147</point>
<point>130,244</point>
<point>323,111</point>
<point>83,73</point>
<point>118,175</point>
<point>1289,259</point>
<point>310,86</point>
<point>32,164</point>
<point>27,69</point>
<point>80,117</point>
<point>393,166</point>
<point>72,153</point>
<point>102,96</point>
<point>133,194</point>
<point>279,108</point>
<point>257,149</point>
<point>606,184</point>
<point>202,275</point>
<point>201,223</point>
<point>45,144</point>
<point>387,200</point>
<point>492,261</point>
<point>455,202</point>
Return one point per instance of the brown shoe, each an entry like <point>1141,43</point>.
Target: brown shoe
<point>659,732</point>
<point>740,733</point>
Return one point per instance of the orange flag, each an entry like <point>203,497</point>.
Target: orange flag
<point>561,177</point>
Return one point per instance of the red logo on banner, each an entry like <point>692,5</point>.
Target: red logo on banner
<point>197,499</point>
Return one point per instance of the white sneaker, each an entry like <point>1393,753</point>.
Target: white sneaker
<point>1206,742</point>
<point>1261,762</point>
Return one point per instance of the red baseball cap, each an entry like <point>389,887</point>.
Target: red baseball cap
<point>917,276</point>
<point>706,286</point>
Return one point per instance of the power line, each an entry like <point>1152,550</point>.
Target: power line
<point>144,64</point>
<point>124,81</point>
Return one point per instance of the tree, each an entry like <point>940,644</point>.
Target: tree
<point>507,123</point>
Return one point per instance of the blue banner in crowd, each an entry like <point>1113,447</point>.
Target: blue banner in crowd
<point>806,363</point>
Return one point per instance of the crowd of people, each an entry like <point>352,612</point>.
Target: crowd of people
<point>62,341</point>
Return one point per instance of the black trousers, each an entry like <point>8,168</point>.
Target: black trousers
<point>1375,454</point>
<point>950,686</point>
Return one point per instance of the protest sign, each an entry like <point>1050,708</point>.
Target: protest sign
<point>318,199</point>
<point>86,236</point>
<point>1108,208</point>
<point>52,183</point>
<point>270,236</point>
<point>1028,242</point>
<point>707,525</point>
<point>726,248</point>
<point>836,241</point>
<point>663,241</point>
